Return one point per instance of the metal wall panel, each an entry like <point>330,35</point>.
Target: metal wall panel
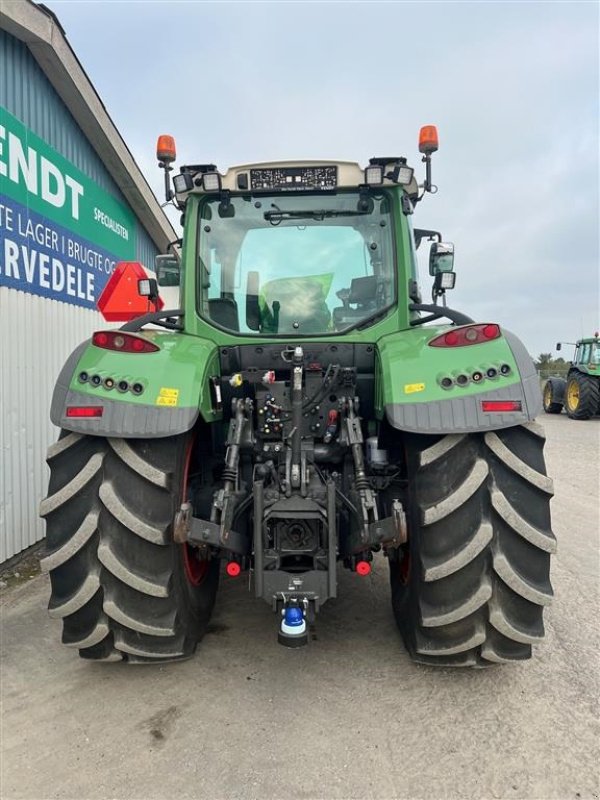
<point>36,336</point>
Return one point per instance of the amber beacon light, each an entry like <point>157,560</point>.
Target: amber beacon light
<point>428,139</point>
<point>428,144</point>
<point>166,154</point>
<point>165,149</point>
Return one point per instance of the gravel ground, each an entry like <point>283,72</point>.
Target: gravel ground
<point>347,717</point>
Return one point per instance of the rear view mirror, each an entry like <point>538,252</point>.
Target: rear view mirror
<point>441,257</point>
<point>168,270</point>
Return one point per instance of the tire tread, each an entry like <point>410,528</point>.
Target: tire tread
<point>118,580</point>
<point>480,539</point>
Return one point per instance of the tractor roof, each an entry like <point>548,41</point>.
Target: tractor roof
<point>590,339</point>
<point>294,176</point>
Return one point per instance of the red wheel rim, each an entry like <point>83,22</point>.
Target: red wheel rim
<point>405,567</point>
<point>195,570</point>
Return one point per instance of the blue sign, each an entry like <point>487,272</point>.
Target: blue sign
<point>39,256</point>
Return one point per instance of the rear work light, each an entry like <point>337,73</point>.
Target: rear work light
<point>467,334</point>
<point>123,342</point>
<point>85,411</point>
<point>374,175</point>
<point>498,406</point>
<point>211,182</point>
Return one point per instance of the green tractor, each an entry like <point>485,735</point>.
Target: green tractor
<point>303,410</point>
<point>579,392</point>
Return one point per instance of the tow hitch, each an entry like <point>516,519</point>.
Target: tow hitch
<point>293,631</point>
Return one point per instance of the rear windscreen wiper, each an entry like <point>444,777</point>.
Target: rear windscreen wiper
<point>318,214</point>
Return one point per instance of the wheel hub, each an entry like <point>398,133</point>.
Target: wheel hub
<point>573,395</point>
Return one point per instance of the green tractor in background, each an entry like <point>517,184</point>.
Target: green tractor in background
<point>303,409</point>
<point>579,392</point>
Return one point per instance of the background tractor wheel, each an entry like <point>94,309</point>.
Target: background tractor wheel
<point>122,587</point>
<point>551,406</point>
<point>582,397</point>
<point>471,589</point>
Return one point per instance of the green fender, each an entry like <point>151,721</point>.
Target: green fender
<point>175,383</point>
<point>412,397</point>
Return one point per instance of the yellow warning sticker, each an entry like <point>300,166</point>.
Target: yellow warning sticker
<point>410,388</point>
<point>167,396</point>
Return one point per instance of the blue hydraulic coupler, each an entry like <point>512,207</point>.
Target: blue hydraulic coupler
<point>293,631</point>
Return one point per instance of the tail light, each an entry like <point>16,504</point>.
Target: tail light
<point>498,406</point>
<point>123,342</point>
<point>466,335</point>
<point>85,411</point>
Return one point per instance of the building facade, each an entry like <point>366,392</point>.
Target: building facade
<point>72,204</point>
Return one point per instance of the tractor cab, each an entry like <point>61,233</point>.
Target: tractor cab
<point>304,248</point>
<point>587,353</point>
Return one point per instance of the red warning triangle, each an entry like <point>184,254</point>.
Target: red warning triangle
<point>120,299</point>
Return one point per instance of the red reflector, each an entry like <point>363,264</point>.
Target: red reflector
<point>85,411</point>
<point>233,569</point>
<point>120,298</point>
<point>467,334</point>
<point>123,342</point>
<point>501,405</point>
<point>363,567</point>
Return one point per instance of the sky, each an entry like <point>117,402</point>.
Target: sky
<point>513,88</point>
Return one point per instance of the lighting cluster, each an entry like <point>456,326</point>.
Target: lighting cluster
<point>466,335</point>
<point>463,379</point>
<point>184,182</point>
<point>107,382</point>
<point>123,342</point>
<point>399,173</point>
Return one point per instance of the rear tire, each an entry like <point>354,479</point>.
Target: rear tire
<point>582,397</point>
<point>551,406</point>
<point>474,579</point>
<point>119,583</point>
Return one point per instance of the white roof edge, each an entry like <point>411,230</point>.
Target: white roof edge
<point>350,174</point>
<point>303,162</point>
<point>40,30</point>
